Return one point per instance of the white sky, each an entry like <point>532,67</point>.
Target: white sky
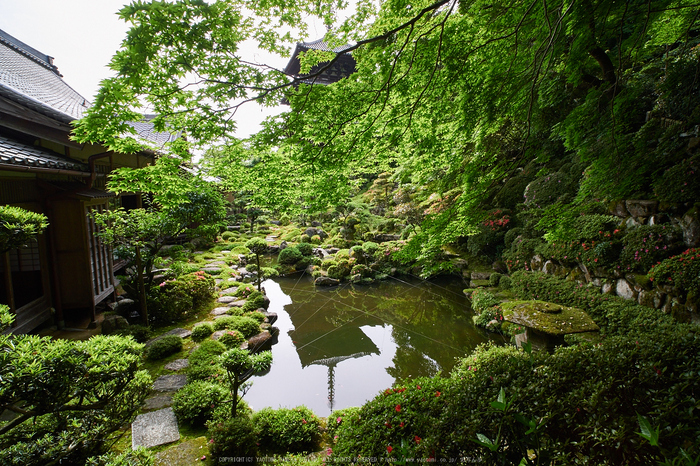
<point>82,36</point>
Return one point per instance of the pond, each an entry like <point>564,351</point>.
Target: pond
<point>340,346</point>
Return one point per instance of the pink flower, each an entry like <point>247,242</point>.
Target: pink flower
<point>339,420</point>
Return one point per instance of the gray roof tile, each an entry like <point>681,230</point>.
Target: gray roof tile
<point>16,153</point>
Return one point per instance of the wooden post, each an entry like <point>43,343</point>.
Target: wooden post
<point>142,287</point>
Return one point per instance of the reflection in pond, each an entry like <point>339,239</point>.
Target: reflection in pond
<point>340,346</point>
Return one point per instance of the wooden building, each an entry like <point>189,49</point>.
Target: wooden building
<point>343,67</point>
<point>67,271</point>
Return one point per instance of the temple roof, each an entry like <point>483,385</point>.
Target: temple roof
<point>342,68</point>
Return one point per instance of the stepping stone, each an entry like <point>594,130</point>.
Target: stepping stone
<point>185,454</point>
<point>216,335</point>
<point>177,364</point>
<point>169,383</point>
<point>226,299</point>
<point>238,303</point>
<point>212,264</point>
<point>218,281</point>
<point>154,428</point>
<point>231,290</point>
<point>219,311</point>
<point>180,332</point>
<point>158,402</point>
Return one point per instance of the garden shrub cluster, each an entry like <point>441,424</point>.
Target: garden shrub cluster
<point>681,271</point>
<point>614,315</point>
<point>286,430</point>
<point>201,331</point>
<point>247,326</point>
<point>194,404</point>
<point>584,402</point>
<point>163,347</point>
<point>175,300</point>
<point>202,361</point>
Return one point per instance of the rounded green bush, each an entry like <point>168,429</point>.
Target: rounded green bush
<point>305,249</point>
<point>495,278</point>
<point>202,331</point>
<point>482,300</point>
<point>194,403</point>
<point>247,326</point>
<point>140,333</point>
<point>163,347</point>
<point>505,282</point>
<point>287,430</point>
<point>255,301</point>
<point>257,315</point>
<point>289,255</point>
<point>227,235</point>
<point>304,238</point>
<point>203,361</point>
<point>232,339</point>
<point>232,437</point>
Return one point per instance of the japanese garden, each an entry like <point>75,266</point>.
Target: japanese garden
<point>471,235</point>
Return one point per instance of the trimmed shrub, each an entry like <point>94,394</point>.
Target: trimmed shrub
<point>201,331</point>
<point>247,326</point>
<point>140,333</point>
<point>244,290</point>
<point>255,301</point>
<point>257,316</point>
<point>289,256</point>
<point>232,339</point>
<point>163,347</point>
<point>305,249</point>
<point>495,278</point>
<point>681,271</point>
<point>287,430</point>
<point>304,238</point>
<point>175,300</point>
<point>232,437</point>
<point>227,235</point>
<point>572,397</point>
<point>482,300</point>
<point>203,361</point>
<point>194,403</point>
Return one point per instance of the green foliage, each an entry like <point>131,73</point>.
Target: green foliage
<point>139,457</point>
<point>163,347</point>
<point>289,255</point>
<point>203,361</point>
<point>247,326</point>
<point>682,271</point>
<point>614,315</point>
<point>287,430</point>
<point>538,406</point>
<point>240,365</point>
<point>73,396</point>
<point>19,226</point>
<point>495,279</point>
<point>175,300</point>
<point>201,331</point>
<point>233,437</point>
<point>140,333</point>
<point>305,249</point>
<point>255,301</point>
<point>646,245</point>
<point>257,315</point>
<point>232,339</point>
<point>482,300</point>
<point>680,182</point>
<point>194,403</point>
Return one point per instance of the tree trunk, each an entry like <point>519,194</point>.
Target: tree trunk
<point>142,287</point>
<point>257,259</point>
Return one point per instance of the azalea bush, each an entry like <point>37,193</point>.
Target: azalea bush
<point>163,347</point>
<point>681,271</point>
<point>646,245</point>
<point>287,430</point>
<point>194,404</point>
<point>175,300</point>
<point>571,398</point>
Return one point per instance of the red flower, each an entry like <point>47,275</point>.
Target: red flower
<point>389,448</point>
<point>401,424</point>
<point>438,393</point>
<point>398,408</point>
<point>417,439</point>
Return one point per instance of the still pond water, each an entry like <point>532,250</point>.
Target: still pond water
<point>341,346</point>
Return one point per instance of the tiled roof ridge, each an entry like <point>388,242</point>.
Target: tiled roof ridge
<point>320,44</point>
<point>28,51</point>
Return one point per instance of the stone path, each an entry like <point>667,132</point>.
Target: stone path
<point>154,428</point>
<point>159,425</point>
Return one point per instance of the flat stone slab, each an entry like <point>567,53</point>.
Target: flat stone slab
<point>216,335</point>
<point>226,299</point>
<point>231,290</point>
<point>154,428</point>
<point>238,303</point>
<point>216,263</point>
<point>180,332</point>
<point>157,402</point>
<point>185,454</point>
<point>177,364</point>
<point>548,318</point>
<point>169,383</point>
<point>219,311</point>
